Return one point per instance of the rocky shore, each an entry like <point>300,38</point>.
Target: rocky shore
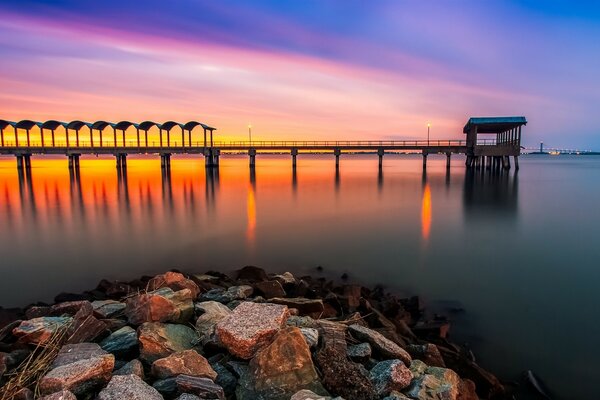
<point>252,335</point>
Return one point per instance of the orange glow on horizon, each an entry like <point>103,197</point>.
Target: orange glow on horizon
<point>426,212</point>
<point>251,214</point>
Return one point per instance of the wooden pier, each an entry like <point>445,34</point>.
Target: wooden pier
<point>489,142</point>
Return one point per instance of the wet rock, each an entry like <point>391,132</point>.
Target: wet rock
<point>187,362</point>
<point>283,367</point>
<point>250,327</point>
<point>39,330</point>
<point>158,340</point>
<point>340,376</point>
<point>121,342</point>
<point>428,353</point>
<point>390,375</point>
<point>62,395</point>
<point>130,387</point>
<point>311,335</point>
<point>380,344</point>
<point>251,274</point>
<point>360,352</point>
<point>310,307</point>
<point>175,281</point>
<point>270,289</point>
<point>436,383</point>
<point>162,305</point>
<point>212,313</point>
<point>78,368</point>
<point>133,367</point>
<point>108,308</point>
<point>203,387</point>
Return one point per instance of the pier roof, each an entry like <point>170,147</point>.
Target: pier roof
<point>494,124</point>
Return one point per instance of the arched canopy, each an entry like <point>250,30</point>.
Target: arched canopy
<point>208,128</point>
<point>4,123</point>
<point>52,124</point>
<point>77,125</point>
<point>147,125</point>
<point>191,125</point>
<point>169,125</point>
<point>27,124</point>
<point>124,125</point>
<point>100,125</point>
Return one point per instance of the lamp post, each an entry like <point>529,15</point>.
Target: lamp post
<point>428,126</point>
<point>250,133</point>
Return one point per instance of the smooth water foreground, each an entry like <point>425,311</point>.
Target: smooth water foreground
<point>519,252</point>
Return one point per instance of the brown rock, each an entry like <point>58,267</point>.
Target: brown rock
<point>78,369</point>
<point>130,387</point>
<point>69,307</point>
<point>270,289</point>
<point>158,340</point>
<point>85,327</point>
<point>310,307</point>
<point>37,311</point>
<point>428,353</point>
<point>351,296</point>
<point>285,366</point>
<point>251,274</point>
<point>174,280</point>
<point>466,390</point>
<point>39,330</point>
<point>162,305</point>
<point>62,395</point>
<point>390,375</point>
<point>133,367</point>
<point>380,343</point>
<point>108,308</point>
<point>23,394</point>
<point>187,362</point>
<point>203,387</point>
<point>250,327</point>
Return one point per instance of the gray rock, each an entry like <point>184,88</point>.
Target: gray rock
<point>212,313</point>
<point>188,396</point>
<point>302,322</point>
<point>167,387</point>
<point>226,296</point>
<point>360,352</point>
<point>157,340</point>
<point>120,342</point>
<point>311,335</point>
<point>108,308</point>
<point>390,375</point>
<point>39,330</point>
<point>130,387</point>
<point>62,395</point>
<point>133,367</point>
<point>385,347</point>
<point>394,395</point>
<point>418,368</point>
<point>203,387</point>
<point>436,383</point>
<point>225,379</point>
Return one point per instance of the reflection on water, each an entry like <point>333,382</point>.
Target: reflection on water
<point>65,231</point>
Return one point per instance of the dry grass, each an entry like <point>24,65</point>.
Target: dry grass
<point>35,365</point>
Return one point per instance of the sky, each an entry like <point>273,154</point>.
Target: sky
<point>319,69</point>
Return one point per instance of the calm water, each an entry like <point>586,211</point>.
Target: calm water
<point>519,252</point>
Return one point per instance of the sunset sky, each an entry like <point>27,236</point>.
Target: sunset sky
<point>307,69</point>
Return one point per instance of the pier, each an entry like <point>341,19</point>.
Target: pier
<point>489,143</point>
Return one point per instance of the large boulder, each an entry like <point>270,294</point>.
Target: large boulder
<point>212,313</point>
<point>250,327</point>
<point>390,375</point>
<point>161,305</point>
<point>78,368</point>
<point>85,327</point>
<point>380,344</point>
<point>39,330</point>
<point>283,367</point>
<point>121,342</point>
<point>130,387</point>
<point>187,362</point>
<point>158,340</point>
<point>174,280</point>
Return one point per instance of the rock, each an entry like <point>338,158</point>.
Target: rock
<point>69,307</point>
<point>302,322</point>
<point>435,329</point>
<point>225,379</point>
<point>306,394</point>
<point>108,308</point>
<point>428,353</point>
<point>187,396</point>
<point>436,383</point>
<point>340,376</point>
<point>467,390</point>
<point>22,394</point>
<point>286,278</point>
<point>133,367</point>
<point>62,395</point>
<point>113,324</point>
<point>85,327</point>
<point>251,274</point>
<point>167,387</point>
<point>390,375</point>
<point>394,395</point>
<point>78,368</point>
<point>130,387</point>
<point>283,367</point>
<point>121,342</point>
<point>417,368</point>
<point>37,311</point>
<point>39,330</point>
<point>270,289</point>
<point>187,362</point>
<point>158,340</point>
<point>351,297</point>
<point>311,335</point>
<point>360,352</point>
<point>229,295</point>
<point>203,387</point>
<point>385,347</point>
<point>310,307</point>
<point>250,327</point>
<point>213,312</point>
<point>162,305</point>
<point>175,281</point>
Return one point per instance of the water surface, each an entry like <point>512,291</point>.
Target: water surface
<point>518,251</point>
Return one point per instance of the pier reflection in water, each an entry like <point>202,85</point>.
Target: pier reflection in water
<point>483,239</point>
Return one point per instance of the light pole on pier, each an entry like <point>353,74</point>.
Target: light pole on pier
<point>250,133</point>
<point>428,126</point>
